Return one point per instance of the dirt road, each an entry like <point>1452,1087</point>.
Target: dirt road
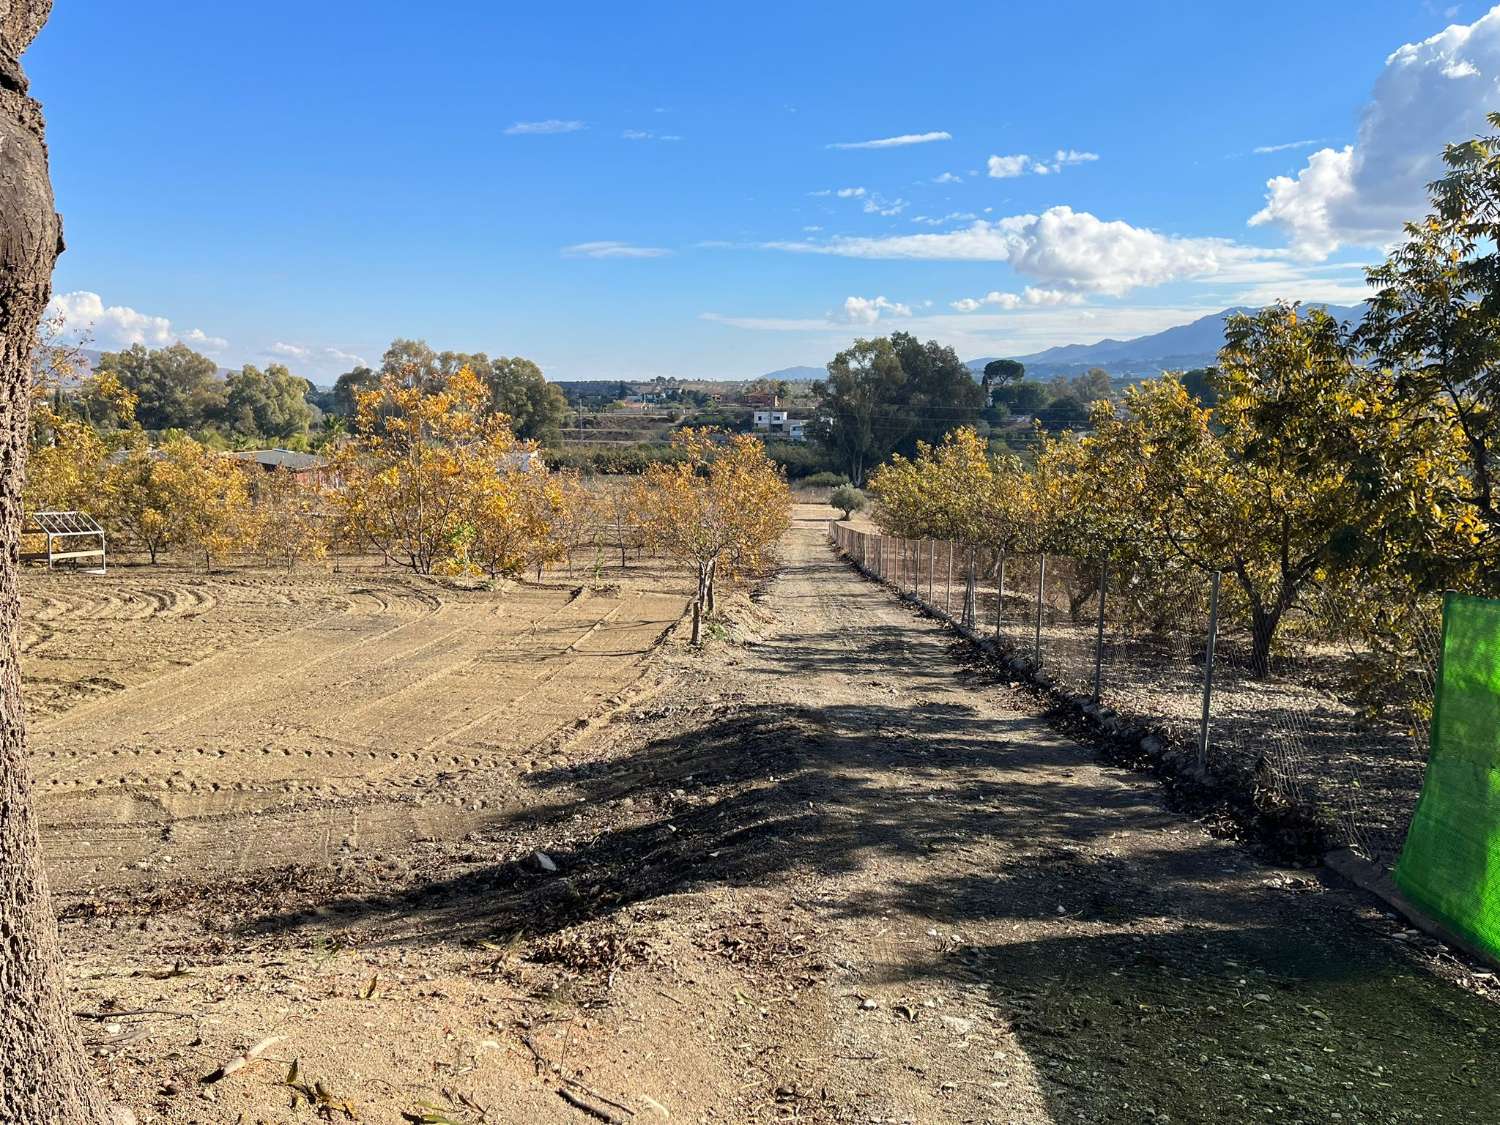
<point>831,874</point>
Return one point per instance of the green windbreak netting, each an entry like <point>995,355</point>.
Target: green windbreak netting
<point>1450,866</point>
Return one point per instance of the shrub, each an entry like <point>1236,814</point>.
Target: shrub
<point>824,479</point>
<point>848,499</point>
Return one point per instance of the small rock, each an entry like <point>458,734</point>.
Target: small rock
<point>544,863</point>
<point>868,1004</point>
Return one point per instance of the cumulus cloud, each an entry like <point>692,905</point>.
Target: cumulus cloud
<point>948,178</point>
<point>1031,296</point>
<point>1062,248</point>
<point>1429,93</point>
<point>82,315</point>
<point>319,356</point>
<point>896,142</point>
<point>647,135</point>
<point>1009,167</point>
<point>611,249</point>
<point>867,310</point>
<point>539,128</point>
<point>850,192</point>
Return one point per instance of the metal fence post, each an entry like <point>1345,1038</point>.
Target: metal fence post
<point>1208,667</point>
<point>948,594</point>
<point>1041,598</point>
<point>1099,633</point>
<point>931,567</point>
<point>1000,598</point>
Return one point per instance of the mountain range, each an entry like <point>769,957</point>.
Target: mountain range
<point>1174,349</point>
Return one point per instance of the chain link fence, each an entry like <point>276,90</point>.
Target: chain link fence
<point>1334,734</point>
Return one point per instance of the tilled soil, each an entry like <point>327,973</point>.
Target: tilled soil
<point>828,872</point>
<point>253,719</point>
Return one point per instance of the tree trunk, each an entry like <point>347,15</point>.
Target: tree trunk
<point>698,604</point>
<point>1263,624</point>
<point>44,1076</point>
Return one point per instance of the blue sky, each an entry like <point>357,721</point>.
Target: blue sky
<point>634,190</point>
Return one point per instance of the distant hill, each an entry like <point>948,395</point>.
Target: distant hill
<point>91,358</point>
<point>1173,349</point>
<point>797,374</point>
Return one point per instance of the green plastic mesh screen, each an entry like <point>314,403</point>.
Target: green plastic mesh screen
<point>1450,865</point>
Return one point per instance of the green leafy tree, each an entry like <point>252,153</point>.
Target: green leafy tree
<point>1435,321</point>
<point>174,388</point>
<point>413,363</point>
<point>1025,397</point>
<point>349,386</point>
<point>885,395</point>
<point>1001,373</point>
<point>518,389</point>
<point>270,403</point>
<point>848,499</point>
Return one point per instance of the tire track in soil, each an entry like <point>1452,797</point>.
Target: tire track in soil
<point>357,722</point>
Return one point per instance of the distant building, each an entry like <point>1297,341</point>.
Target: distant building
<point>272,459</point>
<point>760,398</point>
<point>796,429</point>
<point>307,468</point>
<point>770,419</point>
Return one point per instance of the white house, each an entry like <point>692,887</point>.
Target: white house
<point>796,429</point>
<point>770,419</point>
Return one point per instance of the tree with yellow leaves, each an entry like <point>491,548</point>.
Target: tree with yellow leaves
<point>1306,467</point>
<point>287,522</point>
<point>208,498</point>
<point>721,508</point>
<point>956,490</point>
<point>421,463</point>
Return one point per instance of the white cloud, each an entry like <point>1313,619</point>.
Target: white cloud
<point>941,220</point>
<point>867,310</point>
<point>1065,156</point>
<point>611,249</point>
<point>948,178</point>
<point>1031,296</point>
<point>879,205</point>
<point>1262,150</point>
<point>197,338</point>
<point>896,142</point>
<point>1009,167</point>
<point>647,135</point>
<point>83,316</point>
<point>1061,247</point>
<point>850,192</point>
<point>538,128</point>
<point>321,357</point>
<point>1430,93</point>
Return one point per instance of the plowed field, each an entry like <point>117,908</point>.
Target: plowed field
<point>262,718</point>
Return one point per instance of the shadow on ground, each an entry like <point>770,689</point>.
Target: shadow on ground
<point>1149,975</point>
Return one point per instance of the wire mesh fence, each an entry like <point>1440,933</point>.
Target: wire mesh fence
<point>1334,730</point>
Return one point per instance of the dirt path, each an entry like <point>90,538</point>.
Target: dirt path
<point>830,874</point>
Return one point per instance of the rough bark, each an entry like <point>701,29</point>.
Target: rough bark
<point>44,1076</point>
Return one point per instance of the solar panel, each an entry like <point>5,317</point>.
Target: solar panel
<point>65,523</point>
